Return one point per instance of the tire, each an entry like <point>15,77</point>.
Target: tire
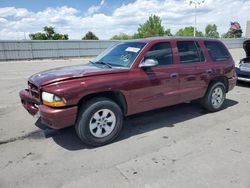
<point>99,122</point>
<point>214,99</point>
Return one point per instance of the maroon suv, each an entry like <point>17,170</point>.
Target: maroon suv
<point>128,78</point>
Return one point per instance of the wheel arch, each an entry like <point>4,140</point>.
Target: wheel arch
<point>222,79</point>
<point>116,96</point>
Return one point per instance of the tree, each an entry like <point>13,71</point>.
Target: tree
<point>122,36</point>
<point>38,36</point>
<point>49,34</point>
<point>50,31</point>
<point>189,31</point>
<point>234,31</point>
<point>151,28</point>
<point>90,36</point>
<point>168,32</point>
<point>211,31</point>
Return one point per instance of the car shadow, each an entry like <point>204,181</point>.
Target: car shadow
<point>243,84</point>
<point>137,124</point>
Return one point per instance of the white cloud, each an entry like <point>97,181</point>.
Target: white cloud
<point>12,11</point>
<point>95,8</point>
<point>126,18</point>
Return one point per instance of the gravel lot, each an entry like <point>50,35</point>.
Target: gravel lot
<point>178,146</point>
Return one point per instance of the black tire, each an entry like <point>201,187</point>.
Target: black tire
<point>207,100</point>
<point>86,115</point>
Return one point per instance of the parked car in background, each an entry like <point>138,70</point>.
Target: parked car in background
<point>129,78</point>
<point>243,67</point>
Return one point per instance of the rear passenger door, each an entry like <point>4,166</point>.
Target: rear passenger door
<point>193,70</point>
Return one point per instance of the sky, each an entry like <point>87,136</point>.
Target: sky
<point>19,18</point>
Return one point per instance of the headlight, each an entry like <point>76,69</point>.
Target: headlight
<point>50,99</point>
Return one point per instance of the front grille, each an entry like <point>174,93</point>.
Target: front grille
<point>34,91</point>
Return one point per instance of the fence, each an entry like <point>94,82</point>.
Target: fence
<point>17,50</point>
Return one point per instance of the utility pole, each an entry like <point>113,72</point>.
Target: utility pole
<point>24,34</point>
<point>196,3</point>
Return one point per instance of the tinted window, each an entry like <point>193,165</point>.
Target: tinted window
<point>217,51</point>
<point>190,52</point>
<point>162,52</point>
<point>201,54</point>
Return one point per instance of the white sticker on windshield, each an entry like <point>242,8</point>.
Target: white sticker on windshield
<point>132,49</point>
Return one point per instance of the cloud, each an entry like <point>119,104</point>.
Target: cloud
<point>126,18</point>
<point>12,11</point>
<point>95,8</point>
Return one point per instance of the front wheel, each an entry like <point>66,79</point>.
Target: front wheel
<point>99,122</point>
<point>215,97</point>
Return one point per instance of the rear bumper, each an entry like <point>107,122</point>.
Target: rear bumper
<point>56,118</point>
<point>232,83</point>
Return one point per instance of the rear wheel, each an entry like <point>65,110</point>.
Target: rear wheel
<point>215,97</point>
<point>99,121</point>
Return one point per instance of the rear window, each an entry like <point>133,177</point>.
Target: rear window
<point>217,51</point>
<point>190,52</point>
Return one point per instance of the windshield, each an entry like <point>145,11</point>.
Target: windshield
<point>121,55</point>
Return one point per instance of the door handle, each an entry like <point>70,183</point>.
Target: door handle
<point>209,71</point>
<point>173,75</point>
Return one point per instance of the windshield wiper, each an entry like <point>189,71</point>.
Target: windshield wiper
<point>101,63</point>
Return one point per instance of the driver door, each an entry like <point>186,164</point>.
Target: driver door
<point>156,87</point>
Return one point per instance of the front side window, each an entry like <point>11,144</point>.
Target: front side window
<point>162,52</point>
<point>121,55</point>
<point>190,52</point>
<point>217,51</point>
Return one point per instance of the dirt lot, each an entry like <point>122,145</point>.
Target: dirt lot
<point>178,146</point>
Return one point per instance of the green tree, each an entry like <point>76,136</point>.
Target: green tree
<point>151,28</point>
<point>211,31</point>
<point>168,32</point>
<point>49,31</point>
<point>136,36</point>
<point>122,36</point>
<point>90,36</point>
<point>189,31</point>
<point>48,34</point>
<point>38,36</point>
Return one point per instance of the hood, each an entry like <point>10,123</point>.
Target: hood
<point>69,72</point>
<point>246,46</point>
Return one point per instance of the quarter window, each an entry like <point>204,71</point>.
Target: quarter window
<point>217,51</point>
<point>190,52</point>
<point>162,52</point>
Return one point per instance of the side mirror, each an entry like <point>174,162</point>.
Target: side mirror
<point>147,63</point>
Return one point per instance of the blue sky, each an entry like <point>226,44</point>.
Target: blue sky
<point>106,18</point>
<point>39,5</point>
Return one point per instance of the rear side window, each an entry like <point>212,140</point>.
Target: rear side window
<point>162,52</point>
<point>217,51</point>
<point>190,52</point>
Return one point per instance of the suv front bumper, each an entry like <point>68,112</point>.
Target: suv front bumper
<point>56,118</point>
